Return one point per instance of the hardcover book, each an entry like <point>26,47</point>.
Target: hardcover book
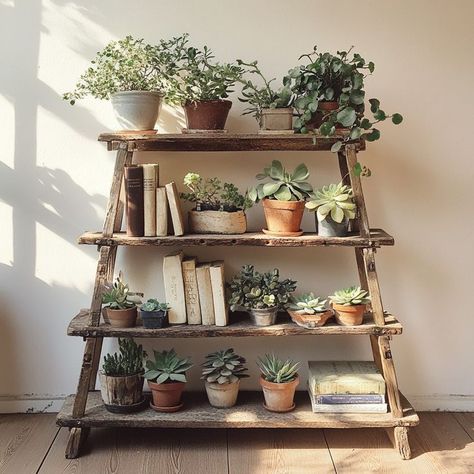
<point>191,292</point>
<point>349,408</point>
<point>206,302</point>
<point>174,287</point>
<point>175,208</point>
<point>150,172</point>
<point>218,293</point>
<point>134,200</point>
<point>334,399</point>
<point>161,212</point>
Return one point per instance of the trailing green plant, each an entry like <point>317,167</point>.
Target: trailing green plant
<point>167,367</point>
<point>352,296</point>
<point>277,370</point>
<point>211,194</point>
<point>264,96</point>
<point>153,304</point>
<point>251,289</point>
<point>128,361</point>
<point>283,186</point>
<point>223,367</point>
<point>308,304</point>
<point>119,296</point>
<point>335,200</point>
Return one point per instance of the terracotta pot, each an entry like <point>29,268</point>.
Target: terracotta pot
<point>283,217</point>
<point>323,108</point>
<point>277,119</point>
<point>279,396</point>
<point>122,394</point>
<point>217,222</point>
<point>264,316</point>
<point>349,315</point>
<point>207,115</point>
<point>310,321</point>
<point>122,318</point>
<point>222,395</point>
<point>166,395</point>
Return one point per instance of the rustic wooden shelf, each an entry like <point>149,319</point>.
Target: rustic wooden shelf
<point>248,413</point>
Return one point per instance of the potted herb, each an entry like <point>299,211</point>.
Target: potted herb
<point>121,378</point>
<point>120,304</point>
<point>283,198</point>
<point>261,294</point>
<point>350,305</point>
<point>166,376</point>
<point>222,372</point>
<point>279,379</point>
<point>309,311</point>
<point>269,107</point>
<point>219,208</point>
<point>334,206</point>
<point>154,314</point>
<point>134,75</point>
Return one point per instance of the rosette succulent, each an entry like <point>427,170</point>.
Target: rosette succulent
<point>223,367</point>
<point>119,296</point>
<point>334,200</point>
<point>352,296</point>
<point>308,304</point>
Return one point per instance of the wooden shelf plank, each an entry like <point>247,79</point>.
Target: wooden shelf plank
<point>378,237</point>
<point>248,413</point>
<point>240,327</point>
<point>220,142</point>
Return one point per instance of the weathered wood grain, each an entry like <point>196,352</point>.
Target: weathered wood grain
<point>399,438</point>
<point>373,285</point>
<point>390,376</point>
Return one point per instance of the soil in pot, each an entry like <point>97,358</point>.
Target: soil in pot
<point>277,119</point>
<point>222,395</point>
<point>330,228</point>
<point>217,222</point>
<point>122,394</point>
<point>166,396</point>
<point>207,115</point>
<point>283,217</point>
<point>154,319</point>
<point>263,317</point>
<point>122,318</point>
<point>349,315</point>
<point>279,397</point>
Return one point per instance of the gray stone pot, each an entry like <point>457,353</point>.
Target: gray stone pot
<point>137,110</point>
<point>263,317</point>
<point>330,228</point>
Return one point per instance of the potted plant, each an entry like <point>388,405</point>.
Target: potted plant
<point>309,311</point>
<point>222,372</point>
<point>120,304</point>
<point>166,376</point>
<point>219,208</point>
<point>261,294</point>
<point>350,305</point>
<point>334,206</point>
<point>134,75</point>
<point>121,378</point>
<point>154,314</point>
<point>269,107</point>
<point>279,379</point>
<point>283,198</point>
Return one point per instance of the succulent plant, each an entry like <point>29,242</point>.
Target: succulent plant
<point>335,200</point>
<point>128,361</point>
<point>308,304</point>
<point>283,186</point>
<point>277,370</point>
<point>223,367</point>
<point>118,295</point>
<point>167,367</point>
<point>154,305</point>
<point>352,296</point>
<point>254,290</point>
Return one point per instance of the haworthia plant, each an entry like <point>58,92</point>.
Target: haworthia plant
<point>277,370</point>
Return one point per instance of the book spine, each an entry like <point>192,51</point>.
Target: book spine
<point>174,288</point>
<point>203,275</point>
<point>191,291</point>
<point>361,408</point>
<point>175,209</point>
<point>149,199</point>
<point>218,294</point>
<point>134,200</point>
<point>348,399</point>
<point>161,212</point>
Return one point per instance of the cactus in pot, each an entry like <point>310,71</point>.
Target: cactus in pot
<point>350,305</point>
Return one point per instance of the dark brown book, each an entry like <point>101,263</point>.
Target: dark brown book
<point>134,197</point>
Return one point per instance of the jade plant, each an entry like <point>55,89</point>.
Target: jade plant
<point>119,296</point>
<point>153,304</point>
<point>128,361</point>
<point>167,367</point>
<point>277,370</point>
<point>308,304</point>
<point>223,367</point>
<point>251,289</point>
<point>352,296</point>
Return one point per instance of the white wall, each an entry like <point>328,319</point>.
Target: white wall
<point>55,178</point>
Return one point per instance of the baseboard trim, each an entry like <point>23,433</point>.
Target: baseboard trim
<point>442,402</point>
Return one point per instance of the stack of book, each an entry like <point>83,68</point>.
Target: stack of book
<point>346,387</point>
<point>148,204</point>
<point>195,291</point>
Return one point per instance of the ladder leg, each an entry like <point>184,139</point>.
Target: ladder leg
<point>77,438</point>
<point>399,438</point>
<point>390,376</point>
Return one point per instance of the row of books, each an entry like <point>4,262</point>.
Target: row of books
<point>195,291</point>
<point>346,387</point>
<point>149,207</point>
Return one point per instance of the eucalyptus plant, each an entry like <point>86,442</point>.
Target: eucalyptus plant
<point>153,304</point>
<point>223,367</point>
<point>167,367</point>
<point>308,304</point>
<point>277,370</point>
<point>352,296</point>
<point>119,296</point>
<point>128,361</point>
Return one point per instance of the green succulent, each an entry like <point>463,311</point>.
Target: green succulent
<point>308,304</point>
<point>335,200</point>
<point>167,367</point>
<point>277,370</point>
<point>128,361</point>
<point>118,295</point>
<point>154,305</point>
<point>352,296</point>
<point>283,186</point>
<point>223,367</point>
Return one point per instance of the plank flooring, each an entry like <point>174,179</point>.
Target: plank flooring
<point>442,443</point>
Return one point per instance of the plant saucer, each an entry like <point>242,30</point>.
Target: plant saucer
<point>282,234</point>
<point>280,411</point>
<point>166,409</point>
<point>127,408</point>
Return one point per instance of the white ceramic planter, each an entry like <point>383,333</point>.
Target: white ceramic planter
<point>217,222</point>
<point>222,395</point>
<point>137,110</point>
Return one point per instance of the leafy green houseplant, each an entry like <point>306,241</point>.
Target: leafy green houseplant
<point>283,196</point>
<point>279,379</point>
<point>350,304</point>
<point>308,310</point>
<point>334,206</point>
<point>154,314</point>
<point>222,372</point>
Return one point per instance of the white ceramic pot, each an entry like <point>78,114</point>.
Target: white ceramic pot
<point>222,395</point>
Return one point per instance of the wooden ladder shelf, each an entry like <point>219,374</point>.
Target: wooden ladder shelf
<point>85,409</point>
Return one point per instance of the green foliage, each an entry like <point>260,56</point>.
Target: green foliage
<point>308,304</point>
<point>352,296</point>
<point>154,305</point>
<point>129,360</point>
<point>167,367</point>
<point>277,370</point>
<point>335,200</point>
<point>118,295</point>
<point>283,186</point>
<point>254,290</point>
<point>223,367</point>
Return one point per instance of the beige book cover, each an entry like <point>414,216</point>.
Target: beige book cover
<point>149,198</point>
<point>161,212</point>
<point>174,287</point>
<point>175,208</point>
<point>191,292</point>
<point>206,302</point>
<point>221,312</point>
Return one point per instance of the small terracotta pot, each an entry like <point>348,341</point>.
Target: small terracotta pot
<point>222,395</point>
<point>122,318</point>
<point>349,315</point>
<point>207,115</point>
<point>283,217</point>
<point>279,396</point>
<point>166,395</point>
<point>277,119</point>
<point>310,321</point>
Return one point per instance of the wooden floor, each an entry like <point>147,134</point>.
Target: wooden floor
<point>443,443</point>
